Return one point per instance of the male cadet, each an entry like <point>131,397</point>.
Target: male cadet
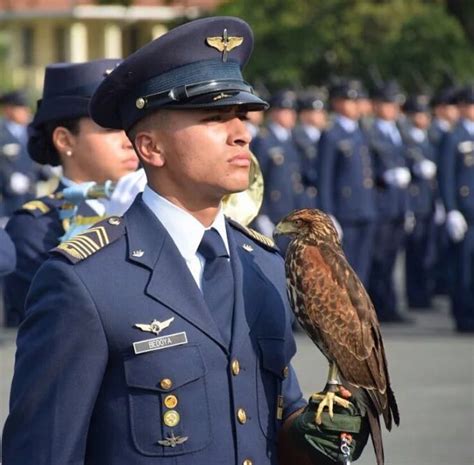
<point>17,171</point>
<point>280,163</point>
<point>420,244</point>
<point>445,116</point>
<point>393,178</point>
<point>163,337</point>
<point>312,120</point>
<point>345,178</point>
<point>456,180</point>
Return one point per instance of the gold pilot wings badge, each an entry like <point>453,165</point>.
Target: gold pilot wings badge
<point>225,43</point>
<point>155,326</point>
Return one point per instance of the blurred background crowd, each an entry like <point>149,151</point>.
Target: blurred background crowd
<point>371,121</point>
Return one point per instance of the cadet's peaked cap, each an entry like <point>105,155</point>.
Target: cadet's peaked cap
<point>389,92</point>
<point>312,100</point>
<point>445,96</point>
<point>466,95</point>
<point>284,99</point>
<point>196,65</point>
<point>16,98</point>
<point>350,89</point>
<point>417,104</point>
<point>68,88</point>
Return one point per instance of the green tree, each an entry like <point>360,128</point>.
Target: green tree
<point>307,42</point>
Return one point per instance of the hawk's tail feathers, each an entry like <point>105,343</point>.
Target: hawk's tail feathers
<point>376,435</point>
<point>393,406</point>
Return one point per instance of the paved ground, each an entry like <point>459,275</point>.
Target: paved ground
<point>432,372</point>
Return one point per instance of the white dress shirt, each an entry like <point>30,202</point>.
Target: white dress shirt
<point>469,125</point>
<point>348,124</point>
<point>281,133</point>
<point>185,230</point>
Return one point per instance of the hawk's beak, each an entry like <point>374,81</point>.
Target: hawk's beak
<point>284,227</point>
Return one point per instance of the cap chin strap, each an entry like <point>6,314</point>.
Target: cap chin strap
<point>182,93</point>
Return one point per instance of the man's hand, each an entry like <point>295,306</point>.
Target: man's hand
<point>326,443</point>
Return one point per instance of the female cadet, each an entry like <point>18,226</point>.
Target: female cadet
<point>63,134</point>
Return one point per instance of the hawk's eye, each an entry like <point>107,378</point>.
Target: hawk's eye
<point>298,223</point>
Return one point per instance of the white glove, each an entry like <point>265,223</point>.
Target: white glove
<point>425,169</point>
<point>265,225</point>
<point>439,213</point>
<point>397,177</point>
<point>410,222</point>
<point>124,193</point>
<point>19,183</point>
<point>338,227</point>
<point>456,225</point>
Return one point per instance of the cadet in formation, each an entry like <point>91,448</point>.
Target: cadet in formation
<point>312,120</point>
<point>18,174</point>
<point>392,179</point>
<point>420,243</point>
<point>62,133</point>
<point>166,330</point>
<point>346,184</point>
<point>280,163</point>
<point>456,179</point>
<point>445,116</point>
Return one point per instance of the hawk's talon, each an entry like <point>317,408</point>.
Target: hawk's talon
<point>328,400</point>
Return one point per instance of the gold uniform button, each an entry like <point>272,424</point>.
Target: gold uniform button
<point>166,383</point>
<point>171,401</point>
<point>285,372</point>
<point>171,418</point>
<point>241,416</point>
<point>464,191</point>
<point>115,221</point>
<point>235,367</point>
<point>247,462</point>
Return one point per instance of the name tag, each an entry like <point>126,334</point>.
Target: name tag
<point>162,342</point>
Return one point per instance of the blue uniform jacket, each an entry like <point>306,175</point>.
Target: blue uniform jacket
<point>308,150</point>
<point>7,254</point>
<point>346,184</point>
<point>456,171</point>
<point>281,169</point>
<point>81,395</point>
<point>35,229</point>
<point>421,192</point>
<point>391,201</point>
<point>14,158</point>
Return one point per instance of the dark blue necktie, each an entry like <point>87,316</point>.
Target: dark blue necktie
<point>218,282</point>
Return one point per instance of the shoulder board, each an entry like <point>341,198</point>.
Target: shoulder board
<point>41,206</point>
<point>36,207</point>
<point>92,240</point>
<point>262,240</point>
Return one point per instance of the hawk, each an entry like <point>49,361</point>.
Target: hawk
<point>334,309</point>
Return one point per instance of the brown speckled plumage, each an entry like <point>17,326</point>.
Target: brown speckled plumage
<point>334,309</point>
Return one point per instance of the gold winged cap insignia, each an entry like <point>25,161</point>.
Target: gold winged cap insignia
<point>224,44</point>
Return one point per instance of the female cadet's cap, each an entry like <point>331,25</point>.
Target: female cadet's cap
<point>196,65</point>
<point>67,91</point>
<point>68,88</point>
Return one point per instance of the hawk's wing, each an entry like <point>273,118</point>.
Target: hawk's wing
<point>338,312</point>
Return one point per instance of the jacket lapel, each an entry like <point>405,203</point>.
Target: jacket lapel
<point>250,285</point>
<point>171,282</point>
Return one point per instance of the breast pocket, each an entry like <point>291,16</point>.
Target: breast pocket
<point>168,401</point>
<point>271,371</point>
